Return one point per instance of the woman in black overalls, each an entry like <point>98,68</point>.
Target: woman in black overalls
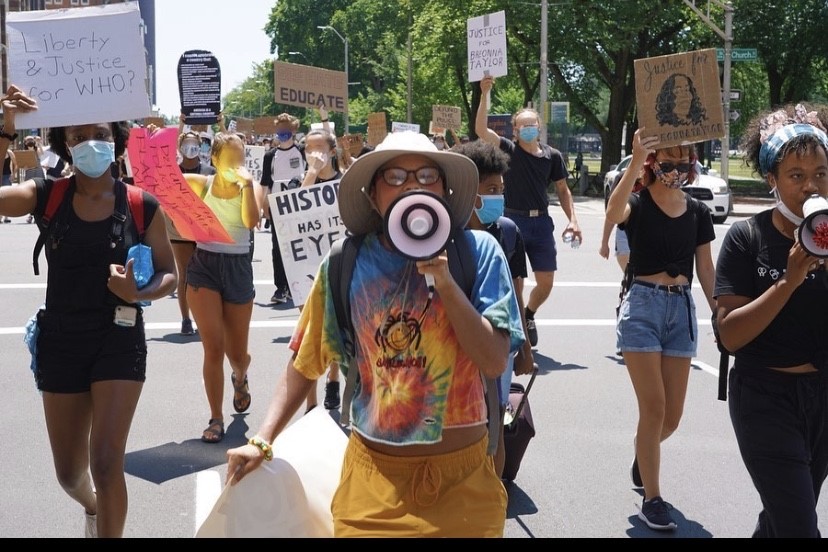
<point>91,352</point>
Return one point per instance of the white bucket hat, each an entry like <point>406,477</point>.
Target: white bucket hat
<point>461,180</point>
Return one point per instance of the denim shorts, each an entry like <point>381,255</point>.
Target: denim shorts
<point>229,274</point>
<point>622,245</point>
<point>655,319</point>
<point>538,235</point>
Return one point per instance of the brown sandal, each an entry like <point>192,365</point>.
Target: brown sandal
<point>241,404</point>
<point>214,432</point>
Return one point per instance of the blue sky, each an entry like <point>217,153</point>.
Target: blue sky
<point>231,29</point>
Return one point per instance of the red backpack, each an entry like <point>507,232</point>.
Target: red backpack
<point>135,202</point>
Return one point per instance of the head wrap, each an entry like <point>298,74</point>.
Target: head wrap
<point>777,129</point>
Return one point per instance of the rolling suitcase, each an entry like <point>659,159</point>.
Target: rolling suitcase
<point>520,428</point>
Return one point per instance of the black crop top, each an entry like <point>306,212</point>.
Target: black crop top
<point>799,333</point>
<point>659,243</point>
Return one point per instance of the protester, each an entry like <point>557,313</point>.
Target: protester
<point>657,333</point>
<point>280,165</point>
<point>9,169</point>
<point>491,164</point>
<point>532,168</point>
<point>189,146</point>
<point>771,304</point>
<point>220,279</point>
<point>422,425</point>
<point>91,353</point>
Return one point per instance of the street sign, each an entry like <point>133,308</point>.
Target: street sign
<point>734,115</point>
<point>738,54</point>
<point>735,95</point>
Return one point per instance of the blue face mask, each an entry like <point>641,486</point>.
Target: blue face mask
<point>492,208</point>
<point>284,136</point>
<point>93,157</point>
<point>528,133</point>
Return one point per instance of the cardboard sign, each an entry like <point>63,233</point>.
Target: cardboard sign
<point>157,121</point>
<point>435,130</point>
<point>321,126</point>
<point>679,97</point>
<point>254,161</point>
<point>26,159</point>
<point>486,37</point>
<point>397,126</point>
<point>199,87</point>
<point>306,86</point>
<point>352,142</point>
<point>82,65</point>
<point>152,158</point>
<point>306,221</point>
<point>245,125</point>
<point>446,117</point>
<point>264,125</point>
<point>377,128</point>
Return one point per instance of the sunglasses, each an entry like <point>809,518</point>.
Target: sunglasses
<point>668,167</point>
<point>396,176</point>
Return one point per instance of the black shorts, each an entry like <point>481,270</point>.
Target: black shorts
<point>73,352</point>
<point>229,274</point>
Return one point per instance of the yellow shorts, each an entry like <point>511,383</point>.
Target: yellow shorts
<point>451,495</point>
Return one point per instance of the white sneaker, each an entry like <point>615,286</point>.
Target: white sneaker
<point>91,528</point>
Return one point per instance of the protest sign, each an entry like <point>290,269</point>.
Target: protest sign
<point>245,125</point>
<point>264,125</point>
<point>679,97</point>
<point>306,86</point>
<point>397,126</point>
<point>306,221</point>
<point>486,36</point>
<point>501,124</point>
<point>26,159</point>
<point>152,157</point>
<point>435,130</point>
<point>82,65</point>
<point>254,161</point>
<point>157,121</point>
<point>377,128</point>
<point>321,126</point>
<point>199,87</point>
<point>351,142</point>
<point>446,117</point>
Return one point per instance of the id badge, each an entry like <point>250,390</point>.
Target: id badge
<point>125,316</point>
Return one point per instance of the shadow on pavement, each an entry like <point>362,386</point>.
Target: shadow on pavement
<point>172,460</point>
<point>177,338</point>
<point>547,364</point>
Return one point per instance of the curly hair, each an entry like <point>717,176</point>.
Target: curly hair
<point>666,104</point>
<point>289,119</point>
<point>57,140</point>
<point>189,134</point>
<point>800,145</point>
<point>488,158</point>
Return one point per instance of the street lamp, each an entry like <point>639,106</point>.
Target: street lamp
<point>299,54</point>
<point>345,42</point>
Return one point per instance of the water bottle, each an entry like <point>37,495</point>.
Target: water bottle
<point>569,237</point>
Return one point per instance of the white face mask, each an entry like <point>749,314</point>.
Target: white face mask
<point>190,150</point>
<point>784,210</point>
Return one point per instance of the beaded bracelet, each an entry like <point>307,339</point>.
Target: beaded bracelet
<point>262,445</point>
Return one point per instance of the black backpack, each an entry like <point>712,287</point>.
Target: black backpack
<point>342,259</point>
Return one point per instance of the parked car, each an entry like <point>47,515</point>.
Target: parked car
<point>708,188</point>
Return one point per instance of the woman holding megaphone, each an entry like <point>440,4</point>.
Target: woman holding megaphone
<point>772,299</point>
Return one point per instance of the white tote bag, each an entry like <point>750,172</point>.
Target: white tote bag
<point>289,496</point>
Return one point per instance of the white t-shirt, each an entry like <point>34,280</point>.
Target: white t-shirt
<point>287,163</point>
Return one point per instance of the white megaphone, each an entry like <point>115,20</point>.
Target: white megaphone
<point>813,232</point>
<point>418,225</point>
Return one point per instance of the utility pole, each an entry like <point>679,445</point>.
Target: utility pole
<point>727,36</point>
<point>544,72</point>
<point>409,85</point>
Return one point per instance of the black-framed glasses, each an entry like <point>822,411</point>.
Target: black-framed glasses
<point>669,167</point>
<point>396,176</point>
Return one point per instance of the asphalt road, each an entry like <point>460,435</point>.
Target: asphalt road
<point>574,480</point>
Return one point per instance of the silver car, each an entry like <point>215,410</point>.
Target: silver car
<point>708,188</point>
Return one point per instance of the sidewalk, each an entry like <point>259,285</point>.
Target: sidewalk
<point>746,206</point>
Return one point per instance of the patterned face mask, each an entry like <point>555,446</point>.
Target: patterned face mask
<point>675,178</point>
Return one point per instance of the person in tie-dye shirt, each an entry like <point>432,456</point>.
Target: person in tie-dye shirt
<point>416,462</point>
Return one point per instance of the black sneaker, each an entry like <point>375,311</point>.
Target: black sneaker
<point>280,296</point>
<point>656,514</point>
<point>532,330</point>
<point>187,327</point>
<point>332,400</point>
<point>635,474</point>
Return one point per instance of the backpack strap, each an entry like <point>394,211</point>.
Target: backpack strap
<point>724,354</point>
<point>135,199</point>
<point>341,263</point>
<point>44,223</point>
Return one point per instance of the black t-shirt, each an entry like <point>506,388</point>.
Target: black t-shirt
<point>517,262</point>
<point>660,243</point>
<point>799,333</point>
<point>528,177</point>
<point>202,169</point>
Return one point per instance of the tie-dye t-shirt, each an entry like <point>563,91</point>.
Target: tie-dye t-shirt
<point>414,379</point>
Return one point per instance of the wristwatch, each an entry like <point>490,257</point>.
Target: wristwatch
<point>7,136</point>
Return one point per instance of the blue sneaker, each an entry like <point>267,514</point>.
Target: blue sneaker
<point>656,514</point>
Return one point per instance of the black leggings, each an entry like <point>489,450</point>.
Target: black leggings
<point>781,425</point>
